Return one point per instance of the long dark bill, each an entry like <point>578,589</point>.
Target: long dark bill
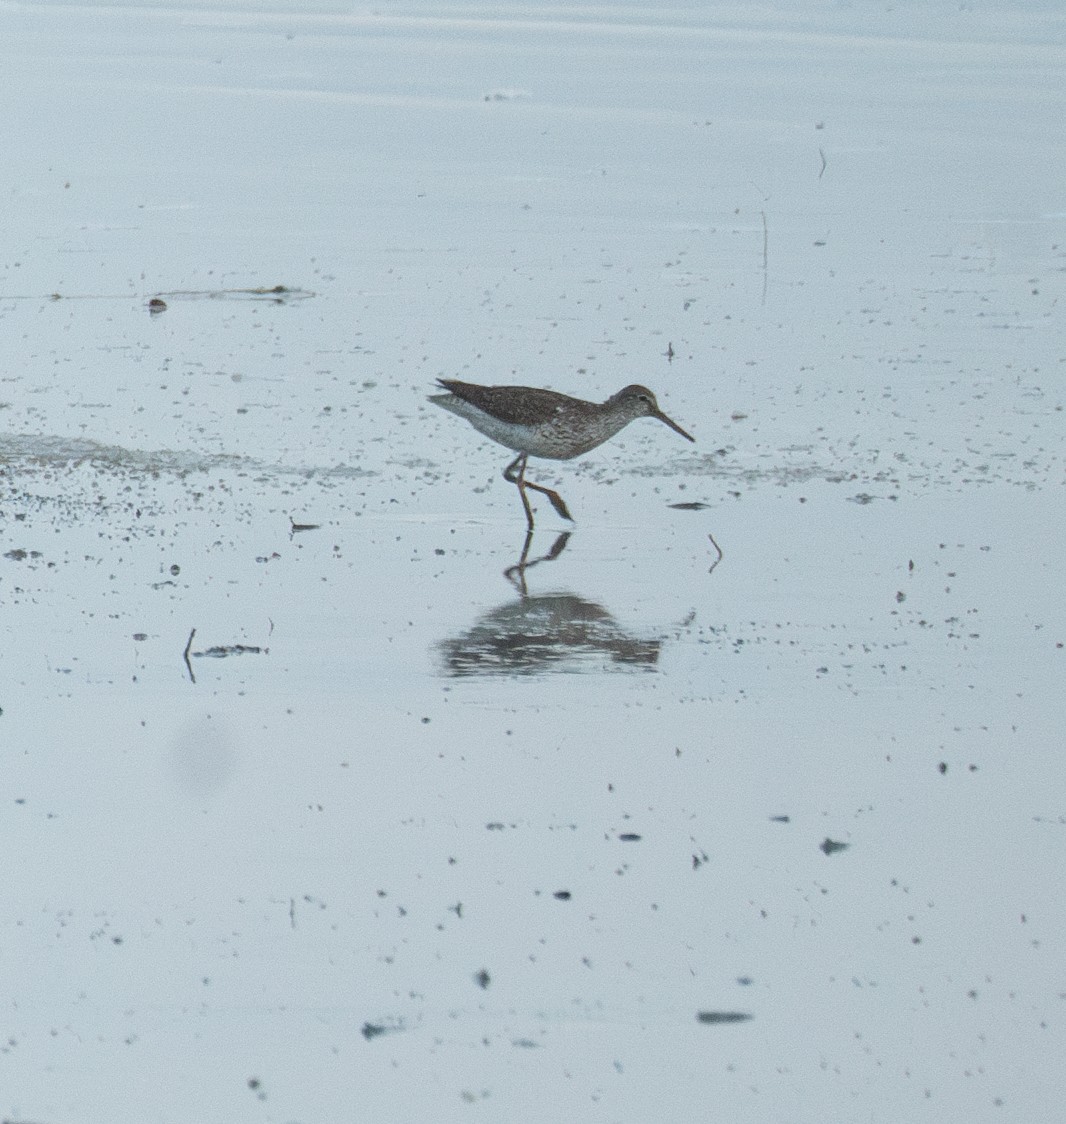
<point>674,426</point>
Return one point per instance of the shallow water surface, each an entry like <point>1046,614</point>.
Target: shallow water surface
<point>325,785</point>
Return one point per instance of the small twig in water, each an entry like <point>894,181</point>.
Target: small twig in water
<point>185,655</point>
<point>822,169</point>
<point>718,552</point>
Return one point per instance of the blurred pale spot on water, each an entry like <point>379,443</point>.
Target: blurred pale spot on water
<point>203,756</point>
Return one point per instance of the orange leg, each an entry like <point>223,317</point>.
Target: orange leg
<point>515,473</point>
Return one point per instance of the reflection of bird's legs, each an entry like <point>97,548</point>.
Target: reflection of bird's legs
<point>516,574</point>
<point>515,473</point>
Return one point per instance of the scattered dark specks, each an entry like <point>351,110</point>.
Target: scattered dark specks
<point>831,846</point>
<point>717,1018</point>
<point>20,555</point>
<point>691,505</point>
<point>562,895</point>
<point>221,651</point>
<point>482,979</point>
<point>629,837</point>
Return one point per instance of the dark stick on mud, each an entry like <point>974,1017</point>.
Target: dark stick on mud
<point>718,552</point>
<point>185,655</point>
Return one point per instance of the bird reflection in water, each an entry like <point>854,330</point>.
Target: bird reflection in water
<point>516,574</point>
<point>543,632</point>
